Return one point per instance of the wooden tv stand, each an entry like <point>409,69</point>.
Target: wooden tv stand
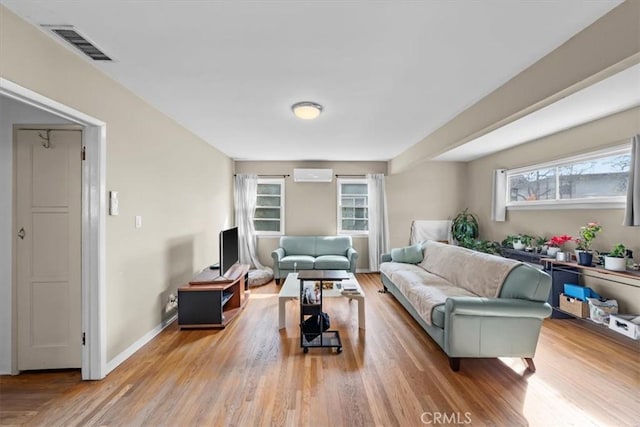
<point>212,301</point>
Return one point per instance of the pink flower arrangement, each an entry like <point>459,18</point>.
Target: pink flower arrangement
<point>558,241</point>
<point>587,235</point>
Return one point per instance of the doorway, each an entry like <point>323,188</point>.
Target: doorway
<point>93,212</point>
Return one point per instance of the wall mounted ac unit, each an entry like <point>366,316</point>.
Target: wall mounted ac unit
<point>312,175</point>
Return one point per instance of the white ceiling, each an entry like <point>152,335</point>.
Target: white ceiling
<point>388,73</point>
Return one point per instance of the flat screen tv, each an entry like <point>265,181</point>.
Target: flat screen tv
<point>228,249</point>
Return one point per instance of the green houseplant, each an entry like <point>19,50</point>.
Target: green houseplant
<point>616,259</point>
<point>518,241</point>
<point>480,245</point>
<point>619,251</point>
<point>587,235</point>
<point>464,226</point>
<point>541,244</point>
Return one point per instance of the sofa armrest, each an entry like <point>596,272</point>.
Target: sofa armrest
<point>352,255</point>
<point>385,258</point>
<point>496,307</point>
<point>277,254</point>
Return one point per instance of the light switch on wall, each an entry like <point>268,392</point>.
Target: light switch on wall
<point>138,221</point>
<point>114,209</point>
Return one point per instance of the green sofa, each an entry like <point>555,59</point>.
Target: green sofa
<point>313,253</point>
<point>474,305</point>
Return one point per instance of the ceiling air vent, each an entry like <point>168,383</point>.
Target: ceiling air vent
<point>77,40</point>
<point>312,175</point>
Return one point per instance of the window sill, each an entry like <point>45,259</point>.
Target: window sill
<point>567,205</point>
<point>354,235</point>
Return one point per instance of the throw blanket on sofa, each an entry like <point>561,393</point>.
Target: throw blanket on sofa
<point>477,272</point>
<point>422,289</point>
<point>448,271</point>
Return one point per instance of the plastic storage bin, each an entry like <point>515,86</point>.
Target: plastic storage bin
<point>628,325</point>
<point>580,292</point>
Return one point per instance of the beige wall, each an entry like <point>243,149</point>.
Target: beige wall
<point>311,208</point>
<point>612,130</point>
<point>178,184</point>
<point>430,190</point>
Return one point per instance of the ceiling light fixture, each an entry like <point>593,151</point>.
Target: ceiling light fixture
<point>306,110</point>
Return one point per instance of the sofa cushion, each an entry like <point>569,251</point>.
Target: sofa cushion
<point>331,262</point>
<point>423,289</point>
<point>408,254</point>
<point>406,276</point>
<point>425,297</point>
<point>302,262</point>
<point>298,245</point>
<point>332,245</point>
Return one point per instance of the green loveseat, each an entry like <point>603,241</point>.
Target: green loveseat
<point>474,305</point>
<point>313,253</point>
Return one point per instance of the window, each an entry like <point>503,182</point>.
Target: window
<point>269,218</point>
<point>353,210</point>
<point>599,177</point>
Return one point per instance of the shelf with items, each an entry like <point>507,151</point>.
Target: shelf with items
<point>570,272</point>
<point>600,272</point>
<point>210,301</point>
<point>311,301</point>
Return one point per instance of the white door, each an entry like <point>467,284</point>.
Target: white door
<point>48,237</point>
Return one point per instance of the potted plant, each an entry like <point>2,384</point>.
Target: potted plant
<point>519,244</point>
<point>541,244</point>
<point>513,241</point>
<point>517,241</point>
<point>480,245</point>
<point>587,236</point>
<point>616,260</point>
<point>464,226</point>
<point>555,246</point>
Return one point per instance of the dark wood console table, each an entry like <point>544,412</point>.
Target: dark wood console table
<point>211,300</point>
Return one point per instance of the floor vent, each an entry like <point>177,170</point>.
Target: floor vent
<point>77,40</point>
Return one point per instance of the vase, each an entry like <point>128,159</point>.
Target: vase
<point>585,258</point>
<point>615,264</point>
<point>552,251</point>
<point>563,256</point>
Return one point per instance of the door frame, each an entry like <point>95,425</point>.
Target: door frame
<point>93,218</point>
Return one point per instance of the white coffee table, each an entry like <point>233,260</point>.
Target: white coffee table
<point>291,290</point>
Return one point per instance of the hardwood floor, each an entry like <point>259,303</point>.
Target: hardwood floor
<point>393,374</point>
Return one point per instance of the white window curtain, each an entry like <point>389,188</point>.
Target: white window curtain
<point>499,202</point>
<point>378,220</point>
<point>632,211</point>
<point>246,191</point>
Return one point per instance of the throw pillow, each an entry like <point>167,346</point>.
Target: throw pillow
<point>408,254</point>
